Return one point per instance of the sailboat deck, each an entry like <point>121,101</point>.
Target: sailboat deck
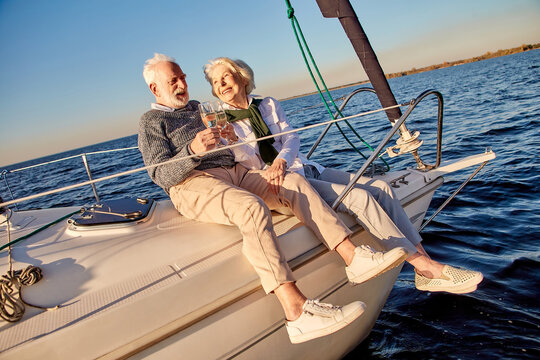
<point>143,269</point>
<point>131,287</point>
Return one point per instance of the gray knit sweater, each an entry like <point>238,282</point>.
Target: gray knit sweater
<point>167,135</point>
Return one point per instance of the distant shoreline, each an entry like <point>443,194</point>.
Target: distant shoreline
<point>445,64</point>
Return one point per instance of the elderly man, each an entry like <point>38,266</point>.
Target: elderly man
<point>213,188</point>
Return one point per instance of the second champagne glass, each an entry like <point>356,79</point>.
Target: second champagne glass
<point>221,118</point>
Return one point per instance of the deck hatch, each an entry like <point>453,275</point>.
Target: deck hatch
<point>114,212</point>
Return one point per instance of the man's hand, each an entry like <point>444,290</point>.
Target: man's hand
<point>205,140</point>
<point>274,175</point>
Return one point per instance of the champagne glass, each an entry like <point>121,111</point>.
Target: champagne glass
<point>208,114</point>
<point>221,118</point>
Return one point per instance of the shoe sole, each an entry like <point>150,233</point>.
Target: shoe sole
<point>462,289</point>
<point>381,268</point>
<point>329,330</point>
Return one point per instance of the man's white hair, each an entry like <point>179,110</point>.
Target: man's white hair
<point>149,72</point>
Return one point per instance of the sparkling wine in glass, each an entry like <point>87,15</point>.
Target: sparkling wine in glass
<point>221,117</point>
<point>208,114</point>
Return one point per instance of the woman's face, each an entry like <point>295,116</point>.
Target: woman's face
<point>228,87</point>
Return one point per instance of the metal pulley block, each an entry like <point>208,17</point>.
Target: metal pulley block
<point>405,144</point>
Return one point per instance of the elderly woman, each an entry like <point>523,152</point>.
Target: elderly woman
<point>372,202</point>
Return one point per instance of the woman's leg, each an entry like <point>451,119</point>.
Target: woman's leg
<point>429,273</point>
<point>383,194</point>
<point>297,193</point>
<point>361,204</point>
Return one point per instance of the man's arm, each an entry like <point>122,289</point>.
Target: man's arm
<point>156,148</point>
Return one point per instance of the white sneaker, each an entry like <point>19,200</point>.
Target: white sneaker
<point>320,319</point>
<point>368,263</point>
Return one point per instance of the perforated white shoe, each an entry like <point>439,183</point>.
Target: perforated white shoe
<point>320,319</point>
<point>452,280</point>
<point>368,263</point>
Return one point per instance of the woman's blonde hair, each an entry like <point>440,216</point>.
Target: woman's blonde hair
<point>238,67</point>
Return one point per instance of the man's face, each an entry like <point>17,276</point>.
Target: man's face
<point>170,87</point>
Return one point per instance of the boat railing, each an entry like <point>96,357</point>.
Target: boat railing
<point>399,125</point>
<point>341,107</point>
<point>440,104</point>
<point>405,137</point>
<point>375,153</point>
<point>145,168</point>
<point>84,159</point>
<point>371,158</point>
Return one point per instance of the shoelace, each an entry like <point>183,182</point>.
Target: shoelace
<point>314,306</point>
<point>377,256</point>
<point>367,248</point>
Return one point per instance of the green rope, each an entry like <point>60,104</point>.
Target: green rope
<point>37,230</point>
<point>303,44</point>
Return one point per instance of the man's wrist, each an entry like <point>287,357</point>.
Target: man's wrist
<point>190,150</point>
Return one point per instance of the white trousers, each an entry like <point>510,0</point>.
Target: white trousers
<point>373,204</point>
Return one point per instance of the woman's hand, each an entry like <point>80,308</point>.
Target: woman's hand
<point>274,175</point>
<point>227,132</point>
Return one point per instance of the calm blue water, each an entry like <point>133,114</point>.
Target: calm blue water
<point>492,226</point>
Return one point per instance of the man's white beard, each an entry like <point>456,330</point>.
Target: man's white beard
<point>175,102</point>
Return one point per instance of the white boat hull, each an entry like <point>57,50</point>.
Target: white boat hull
<point>161,290</point>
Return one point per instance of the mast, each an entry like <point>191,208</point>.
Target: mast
<point>343,10</point>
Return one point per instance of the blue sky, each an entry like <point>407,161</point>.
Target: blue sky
<point>71,70</point>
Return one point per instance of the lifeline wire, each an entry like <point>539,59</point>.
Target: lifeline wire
<point>128,172</point>
<point>71,157</point>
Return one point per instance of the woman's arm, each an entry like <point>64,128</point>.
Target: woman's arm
<point>277,122</point>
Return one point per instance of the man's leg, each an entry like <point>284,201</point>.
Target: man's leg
<point>212,197</point>
<point>209,198</point>
<point>298,195</point>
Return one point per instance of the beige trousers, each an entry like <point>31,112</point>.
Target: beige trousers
<point>237,196</point>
